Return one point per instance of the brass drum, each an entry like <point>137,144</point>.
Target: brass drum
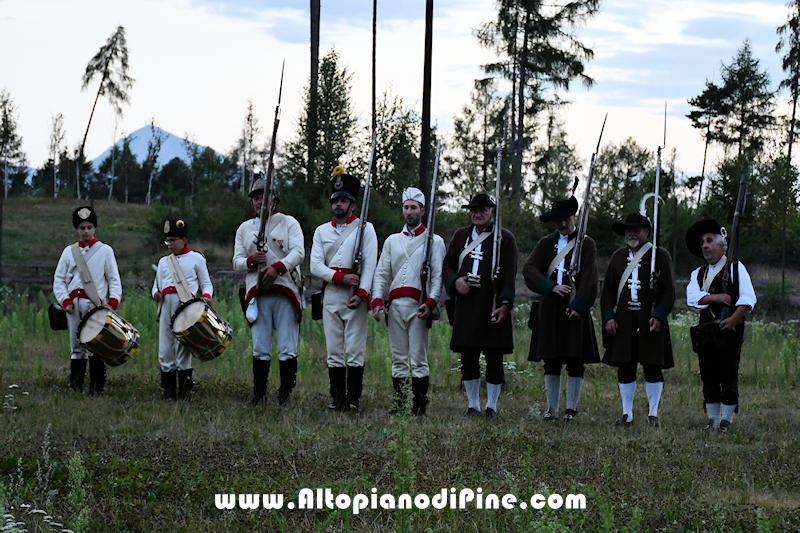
<point>109,336</point>
<point>201,329</point>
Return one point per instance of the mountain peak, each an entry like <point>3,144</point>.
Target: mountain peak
<point>172,146</point>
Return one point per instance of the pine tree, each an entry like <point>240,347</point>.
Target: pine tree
<point>11,154</point>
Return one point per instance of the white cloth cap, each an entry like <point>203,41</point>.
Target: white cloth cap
<point>412,193</point>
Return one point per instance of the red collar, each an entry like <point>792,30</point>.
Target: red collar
<point>349,220</point>
<point>274,212</point>
<point>417,232</point>
<point>185,250</point>
<point>80,243</point>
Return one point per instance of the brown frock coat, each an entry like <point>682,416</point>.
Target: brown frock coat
<point>555,337</point>
<point>472,325</point>
<point>654,348</point>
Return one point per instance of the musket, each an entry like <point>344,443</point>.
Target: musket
<point>424,273</point>
<point>575,262</point>
<point>268,201</point>
<point>358,249</point>
<point>653,274</point>
<point>498,233</point>
<point>732,255</point>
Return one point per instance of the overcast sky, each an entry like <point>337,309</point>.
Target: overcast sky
<point>197,62</point>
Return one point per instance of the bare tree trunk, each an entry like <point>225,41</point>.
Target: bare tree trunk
<point>85,135</point>
<point>374,58</point>
<point>789,173</point>
<point>312,106</point>
<point>425,147</point>
<point>516,182</point>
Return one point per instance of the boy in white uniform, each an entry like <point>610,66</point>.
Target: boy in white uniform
<point>68,288</point>
<point>174,358</point>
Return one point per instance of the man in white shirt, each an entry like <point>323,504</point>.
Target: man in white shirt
<point>273,303</point>
<point>346,293</point>
<point>398,278</point>
<point>718,337</point>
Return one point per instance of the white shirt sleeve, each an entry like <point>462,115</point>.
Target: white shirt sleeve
<point>694,293</point>
<point>747,295</point>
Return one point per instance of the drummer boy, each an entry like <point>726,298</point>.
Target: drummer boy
<point>189,270</point>
<point>69,291</point>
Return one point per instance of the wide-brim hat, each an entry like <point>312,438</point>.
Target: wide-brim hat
<point>480,200</point>
<point>344,185</point>
<point>562,210</point>
<point>176,228</point>
<point>84,214</point>
<point>634,220</point>
<point>696,232</point>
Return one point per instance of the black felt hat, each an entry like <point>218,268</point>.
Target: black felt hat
<point>84,214</point>
<point>562,210</point>
<point>176,228</point>
<point>634,220</point>
<point>344,185</point>
<point>696,232</point>
<point>480,200</point>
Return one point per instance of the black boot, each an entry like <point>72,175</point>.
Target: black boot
<point>77,372</point>
<point>169,391</point>
<point>355,383</point>
<point>399,386</point>
<point>185,384</point>
<point>419,386</point>
<point>338,378</point>
<point>288,380</point>
<point>260,378</point>
<point>97,375</point>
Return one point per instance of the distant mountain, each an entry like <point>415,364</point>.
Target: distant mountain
<point>172,147</point>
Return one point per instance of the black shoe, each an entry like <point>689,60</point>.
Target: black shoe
<point>549,416</point>
<point>472,412</point>
<point>710,425</point>
<point>354,408</point>
<point>490,413</point>
<point>654,422</point>
<point>624,421</point>
<point>724,426</point>
<point>570,415</point>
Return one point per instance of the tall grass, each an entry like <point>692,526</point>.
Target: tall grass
<point>148,465</point>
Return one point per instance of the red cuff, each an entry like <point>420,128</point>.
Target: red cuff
<point>280,267</point>
<point>113,303</point>
<point>431,303</point>
<point>363,295</point>
<point>377,302</point>
<point>250,262</point>
<point>66,303</point>
<point>337,278</point>
<point>206,296</point>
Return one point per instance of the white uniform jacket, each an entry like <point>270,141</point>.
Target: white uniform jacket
<point>102,265</point>
<point>398,271</point>
<point>341,263</point>
<point>194,268</point>
<point>285,251</point>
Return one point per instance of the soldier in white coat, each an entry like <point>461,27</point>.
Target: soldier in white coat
<point>273,292</point>
<point>69,292</point>
<point>346,293</point>
<point>173,357</point>
<point>398,277</point>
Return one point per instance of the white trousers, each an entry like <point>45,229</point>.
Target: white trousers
<point>81,308</point>
<point>408,339</point>
<point>345,328</point>
<point>172,355</point>
<point>275,313</point>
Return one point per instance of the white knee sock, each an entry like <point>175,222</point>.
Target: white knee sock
<point>654,396</point>
<point>727,412</point>
<point>552,384</point>
<point>574,386</point>
<point>492,393</point>
<point>713,412</point>
<point>471,386</point>
<point>626,391</point>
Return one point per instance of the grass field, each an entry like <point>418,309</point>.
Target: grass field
<point>128,461</point>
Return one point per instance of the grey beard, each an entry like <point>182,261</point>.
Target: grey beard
<point>633,243</point>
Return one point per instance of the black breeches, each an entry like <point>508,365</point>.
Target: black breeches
<point>574,369</point>
<point>626,373</point>
<point>471,369</point>
<point>719,371</point>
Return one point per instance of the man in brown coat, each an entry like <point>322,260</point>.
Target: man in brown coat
<point>563,333</point>
<point>635,326</point>
<point>482,318</point>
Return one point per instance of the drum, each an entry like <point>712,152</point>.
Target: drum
<point>200,328</point>
<point>109,336</point>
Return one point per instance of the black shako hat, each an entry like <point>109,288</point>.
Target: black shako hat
<point>634,220</point>
<point>562,210</point>
<point>344,185</point>
<point>84,214</point>
<point>480,200</point>
<point>176,228</point>
<point>696,233</point>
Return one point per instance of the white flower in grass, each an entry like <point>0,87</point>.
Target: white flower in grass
<point>13,386</point>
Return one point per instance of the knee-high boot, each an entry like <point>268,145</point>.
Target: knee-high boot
<point>260,378</point>
<point>288,379</point>
<point>97,375</point>
<point>77,372</point>
<point>355,384</point>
